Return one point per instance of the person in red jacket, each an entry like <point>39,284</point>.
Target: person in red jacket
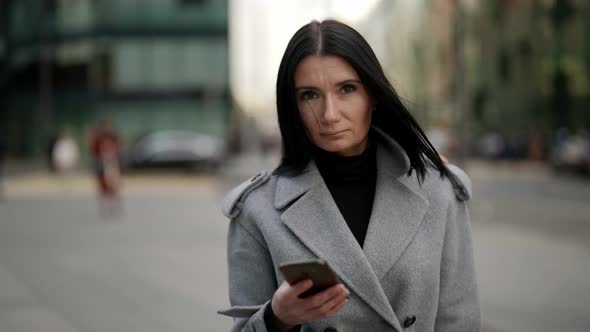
<point>105,151</point>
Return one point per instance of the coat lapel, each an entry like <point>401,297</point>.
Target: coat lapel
<point>397,214</point>
<point>315,219</point>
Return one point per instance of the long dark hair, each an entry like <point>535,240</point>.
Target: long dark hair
<point>391,116</point>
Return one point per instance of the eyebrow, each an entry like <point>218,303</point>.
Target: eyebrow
<point>309,87</point>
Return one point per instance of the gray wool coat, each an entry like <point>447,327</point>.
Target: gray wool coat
<point>415,271</point>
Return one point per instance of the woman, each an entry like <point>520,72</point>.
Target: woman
<point>360,186</point>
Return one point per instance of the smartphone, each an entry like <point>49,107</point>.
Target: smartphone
<point>317,270</point>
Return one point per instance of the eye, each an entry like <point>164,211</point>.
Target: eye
<point>308,95</point>
<point>348,88</point>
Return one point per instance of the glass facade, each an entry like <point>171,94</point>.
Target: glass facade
<point>149,64</point>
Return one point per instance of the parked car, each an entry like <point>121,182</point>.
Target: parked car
<point>571,152</point>
<point>174,148</point>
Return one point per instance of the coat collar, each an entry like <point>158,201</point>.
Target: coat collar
<point>397,164</point>
<point>311,213</point>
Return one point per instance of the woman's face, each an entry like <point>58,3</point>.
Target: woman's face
<point>333,104</point>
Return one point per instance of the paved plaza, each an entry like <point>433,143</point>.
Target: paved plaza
<point>161,265</point>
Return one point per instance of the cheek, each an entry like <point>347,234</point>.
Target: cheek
<point>309,123</point>
<point>362,119</point>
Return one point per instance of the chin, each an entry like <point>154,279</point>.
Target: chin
<point>330,149</point>
<point>335,147</point>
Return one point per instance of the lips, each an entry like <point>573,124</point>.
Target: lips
<point>332,133</point>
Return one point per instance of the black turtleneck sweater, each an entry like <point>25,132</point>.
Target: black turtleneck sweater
<point>351,181</point>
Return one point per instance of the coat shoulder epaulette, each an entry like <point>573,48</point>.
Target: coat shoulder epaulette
<point>232,203</point>
<point>461,183</point>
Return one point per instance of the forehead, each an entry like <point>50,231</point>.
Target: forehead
<point>317,69</point>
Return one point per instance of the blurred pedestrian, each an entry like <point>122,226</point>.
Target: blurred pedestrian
<point>65,157</point>
<point>359,186</point>
<point>105,151</point>
<point>536,145</point>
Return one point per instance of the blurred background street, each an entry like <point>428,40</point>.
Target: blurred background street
<point>161,265</point>
<point>167,104</point>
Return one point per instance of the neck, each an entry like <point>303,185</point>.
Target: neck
<point>335,167</point>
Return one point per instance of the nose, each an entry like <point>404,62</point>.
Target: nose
<point>331,112</point>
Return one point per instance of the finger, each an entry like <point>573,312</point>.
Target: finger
<point>300,287</point>
<point>330,303</point>
<point>322,297</point>
<point>327,309</point>
<point>335,308</point>
<point>285,285</point>
<point>283,289</point>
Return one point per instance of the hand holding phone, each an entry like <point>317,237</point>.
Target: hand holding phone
<point>318,271</point>
<point>311,291</point>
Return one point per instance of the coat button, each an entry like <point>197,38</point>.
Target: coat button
<point>330,329</point>
<point>410,320</point>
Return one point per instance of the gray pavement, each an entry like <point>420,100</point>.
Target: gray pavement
<point>532,245</point>
<point>161,266</point>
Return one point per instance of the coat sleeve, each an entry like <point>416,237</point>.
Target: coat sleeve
<point>251,276</point>
<point>458,307</point>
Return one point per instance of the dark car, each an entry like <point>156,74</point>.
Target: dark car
<point>174,148</point>
<point>572,154</point>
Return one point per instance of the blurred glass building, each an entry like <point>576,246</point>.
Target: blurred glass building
<point>147,64</point>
